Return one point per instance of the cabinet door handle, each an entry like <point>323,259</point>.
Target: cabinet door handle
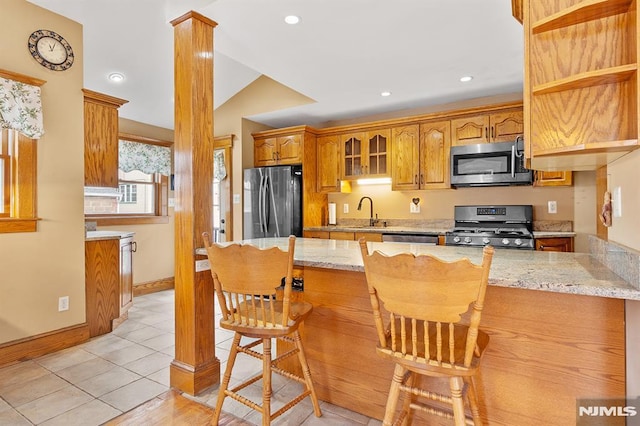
<point>493,133</point>
<point>134,246</point>
<point>486,133</point>
<point>416,179</point>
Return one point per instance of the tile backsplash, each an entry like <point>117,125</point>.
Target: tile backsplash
<point>623,261</point>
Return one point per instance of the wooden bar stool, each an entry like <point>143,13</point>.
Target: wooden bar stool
<point>245,280</point>
<point>427,325</point>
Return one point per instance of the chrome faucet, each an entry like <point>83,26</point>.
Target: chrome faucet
<point>372,221</point>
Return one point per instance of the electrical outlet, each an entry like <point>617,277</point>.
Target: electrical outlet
<point>414,208</point>
<point>63,303</point>
<point>553,207</point>
<point>345,208</point>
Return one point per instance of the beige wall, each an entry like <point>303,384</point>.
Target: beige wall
<point>37,268</point>
<point>155,256</point>
<point>625,173</point>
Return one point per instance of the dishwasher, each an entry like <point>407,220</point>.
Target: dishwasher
<point>411,238</point>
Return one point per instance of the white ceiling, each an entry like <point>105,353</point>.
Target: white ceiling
<point>342,54</point>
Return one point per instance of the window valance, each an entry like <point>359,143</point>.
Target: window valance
<point>21,108</point>
<point>144,157</point>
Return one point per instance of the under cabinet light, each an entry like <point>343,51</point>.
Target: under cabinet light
<point>373,181</point>
<point>466,78</point>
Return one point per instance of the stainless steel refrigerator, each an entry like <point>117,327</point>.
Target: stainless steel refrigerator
<point>273,202</point>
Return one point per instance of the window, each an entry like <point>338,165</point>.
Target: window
<point>21,126</point>
<point>129,193</point>
<point>144,166</point>
<point>17,182</point>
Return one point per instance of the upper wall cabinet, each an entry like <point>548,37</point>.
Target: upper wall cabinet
<point>101,139</point>
<point>581,82</point>
<point>421,156</point>
<point>329,163</point>
<point>366,154</point>
<point>564,178</point>
<point>486,128</point>
<point>280,150</point>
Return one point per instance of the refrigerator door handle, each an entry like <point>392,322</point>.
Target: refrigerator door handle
<point>267,206</point>
<point>261,203</point>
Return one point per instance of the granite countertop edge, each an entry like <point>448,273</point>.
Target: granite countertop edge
<point>107,235</point>
<point>567,273</point>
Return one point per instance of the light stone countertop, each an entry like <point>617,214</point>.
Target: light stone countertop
<point>107,235</point>
<point>571,273</point>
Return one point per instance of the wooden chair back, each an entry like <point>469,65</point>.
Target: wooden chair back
<point>426,298</point>
<point>245,280</point>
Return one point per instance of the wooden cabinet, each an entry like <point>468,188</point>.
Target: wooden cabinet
<point>328,163</point>
<point>366,154</point>
<point>108,283</point>
<point>487,128</point>
<point>279,150</point>
<point>435,147</point>
<point>554,244</point>
<point>295,145</point>
<point>581,82</point>
<point>101,139</point>
<point>405,164</point>
<point>344,235</point>
<point>553,178</point>
<point>126,277</point>
<point>421,156</point>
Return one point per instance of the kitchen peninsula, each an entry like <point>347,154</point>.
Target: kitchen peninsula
<point>556,322</point>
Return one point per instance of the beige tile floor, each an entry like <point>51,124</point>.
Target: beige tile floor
<point>96,381</point>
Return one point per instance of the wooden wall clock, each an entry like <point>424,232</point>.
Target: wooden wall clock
<point>51,50</point>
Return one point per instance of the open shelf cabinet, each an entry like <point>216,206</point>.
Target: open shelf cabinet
<point>581,82</point>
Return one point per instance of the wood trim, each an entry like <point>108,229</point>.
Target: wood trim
<point>143,139</point>
<point>194,15</point>
<point>18,225</point>
<point>22,78</point>
<point>42,344</point>
<point>154,286</point>
<point>102,99</point>
<point>396,122</point>
<point>223,141</point>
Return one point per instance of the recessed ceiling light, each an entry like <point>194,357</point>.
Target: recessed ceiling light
<point>291,19</point>
<point>466,78</point>
<point>116,76</point>
<point>385,94</point>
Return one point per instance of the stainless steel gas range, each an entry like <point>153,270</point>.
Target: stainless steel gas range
<point>507,226</point>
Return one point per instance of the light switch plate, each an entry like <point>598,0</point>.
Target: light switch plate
<point>345,208</point>
<point>414,208</point>
<point>553,207</point>
<point>617,201</point>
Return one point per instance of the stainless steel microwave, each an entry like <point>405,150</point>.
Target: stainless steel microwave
<point>489,164</point>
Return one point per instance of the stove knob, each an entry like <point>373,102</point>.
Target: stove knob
<point>505,241</point>
<point>518,242</point>
<point>456,239</point>
<point>485,240</point>
<point>467,239</point>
